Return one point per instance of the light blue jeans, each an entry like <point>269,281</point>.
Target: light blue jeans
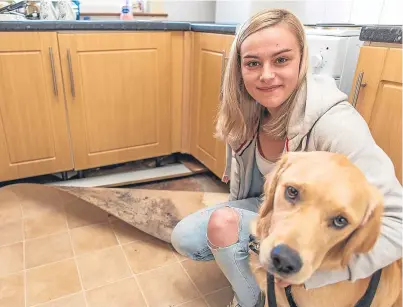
<point>189,238</point>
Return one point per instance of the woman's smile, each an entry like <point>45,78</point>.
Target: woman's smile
<point>269,89</point>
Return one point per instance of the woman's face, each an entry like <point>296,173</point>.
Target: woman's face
<point>270,61</point>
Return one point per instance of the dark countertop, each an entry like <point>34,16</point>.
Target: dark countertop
<point>101,25</point>
<point>213,28</point>
<point>373,33</point>
<point>381,34</point>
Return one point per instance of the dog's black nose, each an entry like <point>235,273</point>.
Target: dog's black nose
<point>285,260</point>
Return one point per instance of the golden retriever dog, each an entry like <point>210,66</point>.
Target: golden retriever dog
<point>319,210</point>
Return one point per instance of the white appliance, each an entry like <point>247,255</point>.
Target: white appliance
<point>334,51</point>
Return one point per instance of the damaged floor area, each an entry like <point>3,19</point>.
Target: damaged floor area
<point>68,255</point>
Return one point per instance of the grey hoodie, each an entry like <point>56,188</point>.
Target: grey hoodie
<point>323,120</point>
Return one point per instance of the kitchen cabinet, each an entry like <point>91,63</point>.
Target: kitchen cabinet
<point>210,52</point>
<point>117,89</point>
<point>34,137</point>
<point>377,95</point>
<point>79,100</point>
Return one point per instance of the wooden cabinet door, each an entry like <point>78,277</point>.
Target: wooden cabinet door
<point>210,53</point>
<point>118,95</point>
<point>377,91</point>
<point>366,80</point>
<point>386,119</point>
<point>34,137</point>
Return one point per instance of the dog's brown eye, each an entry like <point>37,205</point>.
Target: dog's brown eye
<point>339,222</point>
<point>291,194</point>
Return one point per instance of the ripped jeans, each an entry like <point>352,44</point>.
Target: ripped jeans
<point>189,238</point>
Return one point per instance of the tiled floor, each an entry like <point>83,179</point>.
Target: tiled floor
<point>61,255</point>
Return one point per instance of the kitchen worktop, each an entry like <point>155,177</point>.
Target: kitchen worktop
<point>381,34</point>
<point>373,33</point>
<point>101,25</point>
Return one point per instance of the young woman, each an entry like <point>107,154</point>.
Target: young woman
<point>270,104</point>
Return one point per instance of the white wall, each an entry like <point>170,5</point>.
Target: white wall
<point>232,11</point>
<point>186,10</point>
<point>100,6</point>
<point>320,11</point>
<point>177,10</point>
<point>309,11</point>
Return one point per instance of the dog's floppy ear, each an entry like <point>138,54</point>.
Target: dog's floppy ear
<point>260,226</point>
<point>270,185</point>
<point>364,237</point>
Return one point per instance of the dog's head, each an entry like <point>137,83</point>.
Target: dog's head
<point>317,212</point>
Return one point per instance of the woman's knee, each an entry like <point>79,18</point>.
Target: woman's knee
<point>188,242</point>
<point>223,227</point>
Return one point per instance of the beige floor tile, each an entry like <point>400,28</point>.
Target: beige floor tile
<point>47,249</point>
<point>105,266</point>
<point>92,238</point>
<point>39,199</point>
<point>126,233</point>
<point>220,298</point>
<point>52,281</point>
<point>11,232</point>
<point>147,255</point>
<point>32,208</point>
<point>12,291</point>
<point>11,259</point>
<point>167,286</point>
<point>10,209</point>
<point>206,275</point>
<point>80,213</point>
<point>75,300</point>
<point>124,293</point>
<point>179,256</point>
<point>44,224</point>
<point>196,303</point>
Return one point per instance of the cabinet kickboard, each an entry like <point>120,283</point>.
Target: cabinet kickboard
<point>131,177</point>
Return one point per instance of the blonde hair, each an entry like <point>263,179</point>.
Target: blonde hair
<point>239,114</point>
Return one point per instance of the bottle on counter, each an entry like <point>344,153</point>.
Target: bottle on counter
<point>76,8</point>
<point>126,11</point>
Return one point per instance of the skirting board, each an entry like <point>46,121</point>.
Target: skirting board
<point>132,177</point>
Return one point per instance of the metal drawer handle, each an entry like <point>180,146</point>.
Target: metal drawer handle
<point>52,65</point>
<point>358,86</point>
<point>72,87</point>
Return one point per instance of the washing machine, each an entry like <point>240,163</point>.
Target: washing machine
<point>334,51</point>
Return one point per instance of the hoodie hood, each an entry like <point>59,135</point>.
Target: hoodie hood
<point>316,96</point>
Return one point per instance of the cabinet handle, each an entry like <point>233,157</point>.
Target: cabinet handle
<point>72,87</point>
<point>52,65</point>
<point>358,86</point>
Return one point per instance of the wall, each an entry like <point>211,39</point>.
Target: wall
<point>318,11</point>
<point>232,11</point>
<point>237,11</point>
<point>185,10</point>
<point>177,10</point>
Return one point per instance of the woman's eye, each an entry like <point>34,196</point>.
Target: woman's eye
<point>339,222</point>
<point>281,60</point>
<point>252,64</point>
<point>291,194</point>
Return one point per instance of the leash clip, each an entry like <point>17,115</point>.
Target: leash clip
<point>254,244</point>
